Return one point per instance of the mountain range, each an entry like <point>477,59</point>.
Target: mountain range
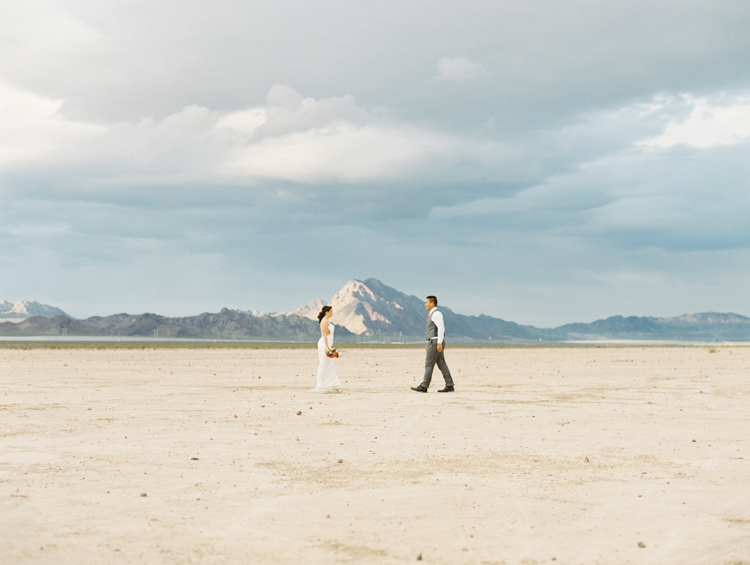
<point>370,311</point>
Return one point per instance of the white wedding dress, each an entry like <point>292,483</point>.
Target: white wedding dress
<point>327,379</point>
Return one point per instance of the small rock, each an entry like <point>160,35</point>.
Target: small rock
<point>419,557</point>
<point>235,415</point>
<point>587,459</point>
<point>193,459</point>
<point>328,515</point>
<point>641,544</point>
<point>143,494</point>
<point>299,412</point>
<point>693,441</point>
<point>340,460</point>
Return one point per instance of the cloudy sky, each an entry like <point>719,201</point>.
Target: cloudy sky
<point>540,161</point>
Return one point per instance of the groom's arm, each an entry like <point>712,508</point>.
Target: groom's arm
<point>437,317</point>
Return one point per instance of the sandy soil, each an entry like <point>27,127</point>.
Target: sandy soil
<point>566,455</point>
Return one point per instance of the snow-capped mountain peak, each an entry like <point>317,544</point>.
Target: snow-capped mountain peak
<point>311,310</point>
<point>26,309</point>
<point>369,307</point>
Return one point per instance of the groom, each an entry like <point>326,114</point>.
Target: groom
<point>434,348</point>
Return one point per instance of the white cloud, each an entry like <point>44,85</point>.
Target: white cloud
<point>285,96</point>
<point>29,229</point>
<point>37,38</point>
<point>707,125</point>
<point>341,152</point>
<point>292,138</point>
<point>32,129</point>
<point>330,140</point>
<point>459,69</point>
<point>243,122</point>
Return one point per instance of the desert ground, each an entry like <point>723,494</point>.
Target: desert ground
<point>224,455</point>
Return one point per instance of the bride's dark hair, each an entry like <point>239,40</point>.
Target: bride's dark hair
<point>323,313</point>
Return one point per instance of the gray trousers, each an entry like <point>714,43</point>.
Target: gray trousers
<point>435,357</point>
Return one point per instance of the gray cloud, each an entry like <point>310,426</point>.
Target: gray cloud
<point>547,59</point>
<point>575,161</point>
<point>459,69</point>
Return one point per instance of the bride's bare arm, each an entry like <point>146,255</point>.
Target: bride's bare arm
<point>324,331</point>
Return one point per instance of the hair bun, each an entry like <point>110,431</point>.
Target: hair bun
<point>323,313</point>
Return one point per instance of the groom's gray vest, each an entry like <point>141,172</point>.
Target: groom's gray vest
<point>432,331</point>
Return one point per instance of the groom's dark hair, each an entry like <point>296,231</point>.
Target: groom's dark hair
<point>433,298</point>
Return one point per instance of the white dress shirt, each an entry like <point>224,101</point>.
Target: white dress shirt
<point>437,317</point>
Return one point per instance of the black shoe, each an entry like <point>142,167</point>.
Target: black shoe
<point>419,388</point>
<point>447,389</point>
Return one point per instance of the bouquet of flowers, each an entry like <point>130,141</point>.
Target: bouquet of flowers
<point>333,353</point>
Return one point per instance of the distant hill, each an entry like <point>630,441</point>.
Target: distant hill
<point>707,326</point>
<point>227,324</point>
<point>310,310</point>
<point>26,309</point>
<point>372,310</point>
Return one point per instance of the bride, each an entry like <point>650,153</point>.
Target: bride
<point>327,379</point>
